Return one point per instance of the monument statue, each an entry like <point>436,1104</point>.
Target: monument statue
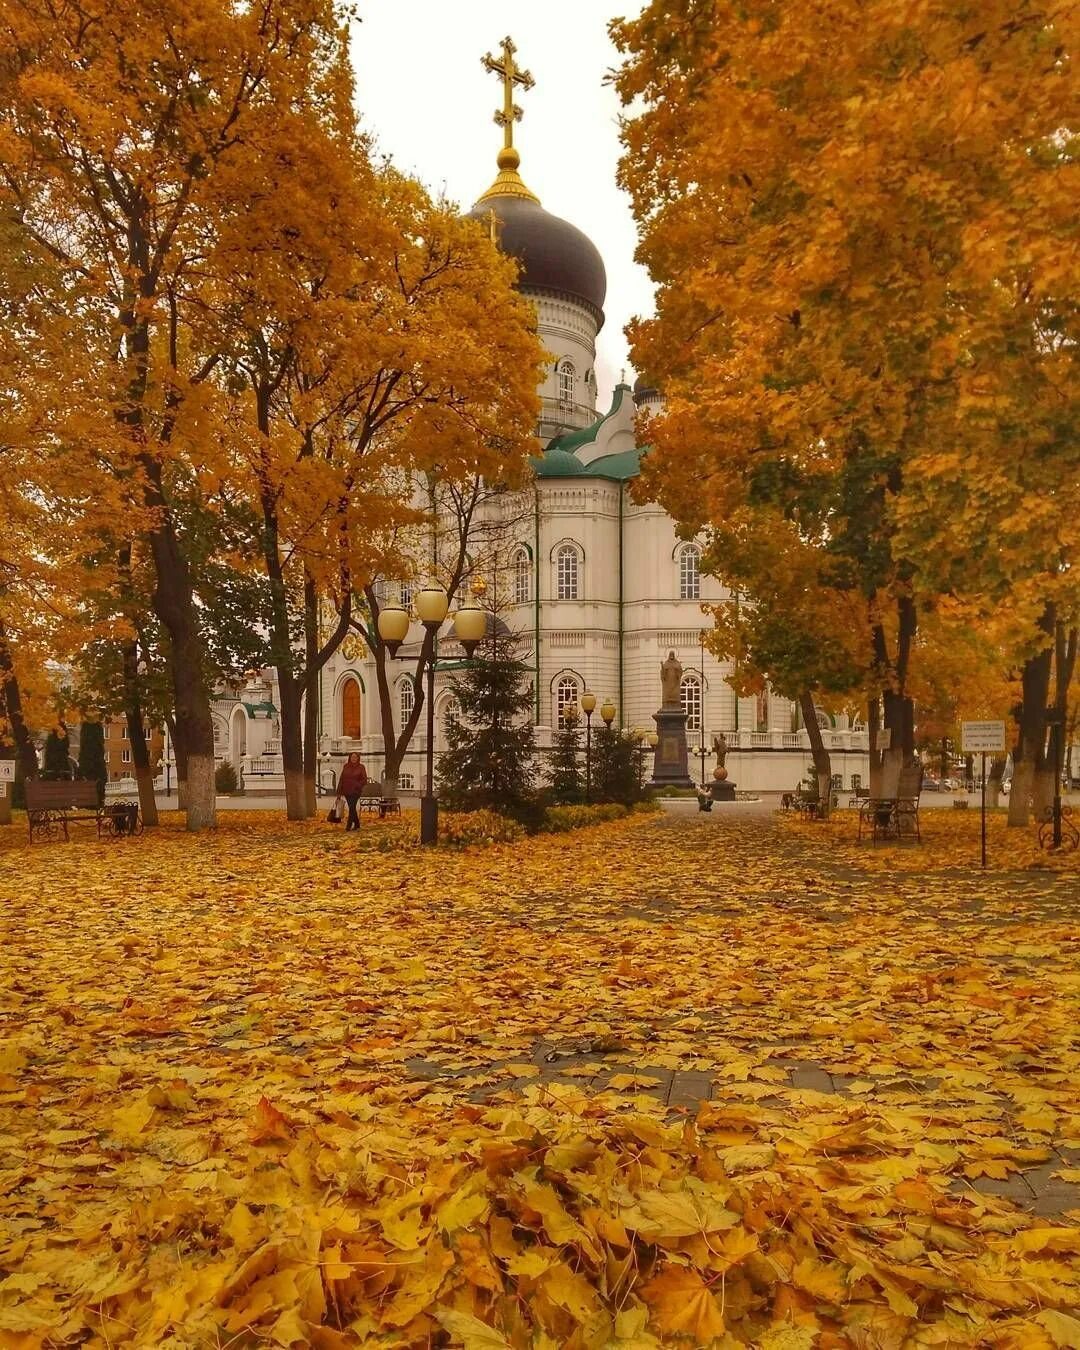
<point>720,749</point>
<point>671,673</point>
<point>670,765</point>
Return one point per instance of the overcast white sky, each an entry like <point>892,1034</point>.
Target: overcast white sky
<point>422,91</point>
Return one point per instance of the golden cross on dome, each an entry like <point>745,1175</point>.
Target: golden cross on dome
<point>510,73</point>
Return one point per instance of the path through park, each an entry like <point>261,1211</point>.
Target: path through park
<point>673,1079</point>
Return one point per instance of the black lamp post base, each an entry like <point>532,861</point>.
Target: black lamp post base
<point>429,820</point>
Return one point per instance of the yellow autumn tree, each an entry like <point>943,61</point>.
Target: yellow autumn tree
<point>368,337</point>
<point>123,126</point>
<point>833,199</point>
<point>56,496</point>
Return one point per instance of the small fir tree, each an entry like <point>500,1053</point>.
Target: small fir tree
<point>616,767</point>
<point>489,762</point>
<point>567,779</point>
<point>57,754</point>
<point>92,756</point>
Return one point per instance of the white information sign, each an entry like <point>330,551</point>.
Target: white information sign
<point>982,738</point>
<point>7,771</point>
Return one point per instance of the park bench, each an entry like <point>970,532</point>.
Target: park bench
<point>372,799</point>
<point>895,817</point>
<point>54,805</point>
<point>1070,835</point>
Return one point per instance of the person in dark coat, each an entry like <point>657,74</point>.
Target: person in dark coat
<point>352,782</point>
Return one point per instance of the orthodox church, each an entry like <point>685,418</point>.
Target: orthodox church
<point>599,586</point>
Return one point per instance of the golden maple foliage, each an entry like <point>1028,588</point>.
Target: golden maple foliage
<point>260,337</point>
<point>861,222</point>
<point>285,1087</point>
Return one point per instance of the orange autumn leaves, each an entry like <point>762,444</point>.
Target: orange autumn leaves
<point>277,1085</point>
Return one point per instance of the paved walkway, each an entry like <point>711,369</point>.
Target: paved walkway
<point>986,1078</point>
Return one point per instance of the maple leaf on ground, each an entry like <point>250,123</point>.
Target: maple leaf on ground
<point>468,1331</point>
<point>682,1304</point>
<point>267,1122</point>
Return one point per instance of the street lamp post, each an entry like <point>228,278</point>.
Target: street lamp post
<point>432,604</point>
<point>588,706</point>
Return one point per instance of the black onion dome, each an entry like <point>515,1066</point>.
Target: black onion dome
<point>644,390</point>
<point>554,255</point>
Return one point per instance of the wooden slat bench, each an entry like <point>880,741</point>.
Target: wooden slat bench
<point>52,806</point>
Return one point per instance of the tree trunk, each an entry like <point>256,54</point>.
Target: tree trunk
<point>180,758</point>
<point>1029,757</point>
<point>993,783</point>
<point>821,756</point>
<point>140,753</point>
<point>1020,793</point>
<point>15,739</point>
<point>898,707</point>
<point>311,751</point>
<point>175,606</point>
<point>173,597</point>
<point>1042,791</point>
<point>314,660</point>
<point>292,750</point>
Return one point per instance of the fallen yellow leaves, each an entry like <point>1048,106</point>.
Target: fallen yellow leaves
<point>277,1087</point>
<point>949,839</point>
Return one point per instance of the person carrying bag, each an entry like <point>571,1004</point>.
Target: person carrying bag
<point>351,784</point>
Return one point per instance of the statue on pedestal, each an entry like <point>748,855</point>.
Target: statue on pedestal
<point>670,760</point>
<point>721,789</point>
<point>671,673</point>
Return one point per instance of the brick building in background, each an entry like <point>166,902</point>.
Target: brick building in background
<point>118,758</point>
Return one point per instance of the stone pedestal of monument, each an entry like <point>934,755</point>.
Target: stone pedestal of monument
<point>672,758</point>
<point>722,790</point>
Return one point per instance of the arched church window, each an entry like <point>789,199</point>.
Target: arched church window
<point>690,572</point>
<point>690,697</point>
<point>406,594</point>
<point>566,382</point>
<point>522,577</point>
<point>407,699</point>
<point>350,708</point>
<point>566,573</point>
<point>566,696</point>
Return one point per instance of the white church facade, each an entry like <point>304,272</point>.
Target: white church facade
<point>599,586</point>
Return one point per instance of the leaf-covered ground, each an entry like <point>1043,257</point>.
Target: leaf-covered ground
<point>660,1082</point>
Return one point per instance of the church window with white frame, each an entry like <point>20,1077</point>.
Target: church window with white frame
<point>522,577</point>
<point>690,572</point>
<point>566,573</point>
<point>566,696</point>
<point>407,699</point>
<point>566,383</point>
<point>690,697</point>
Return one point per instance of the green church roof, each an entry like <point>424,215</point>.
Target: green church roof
<point>560,459</point>
<point>558,463</point>
<point>626,464</point>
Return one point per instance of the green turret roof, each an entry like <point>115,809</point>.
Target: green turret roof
<point>560,459</point>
